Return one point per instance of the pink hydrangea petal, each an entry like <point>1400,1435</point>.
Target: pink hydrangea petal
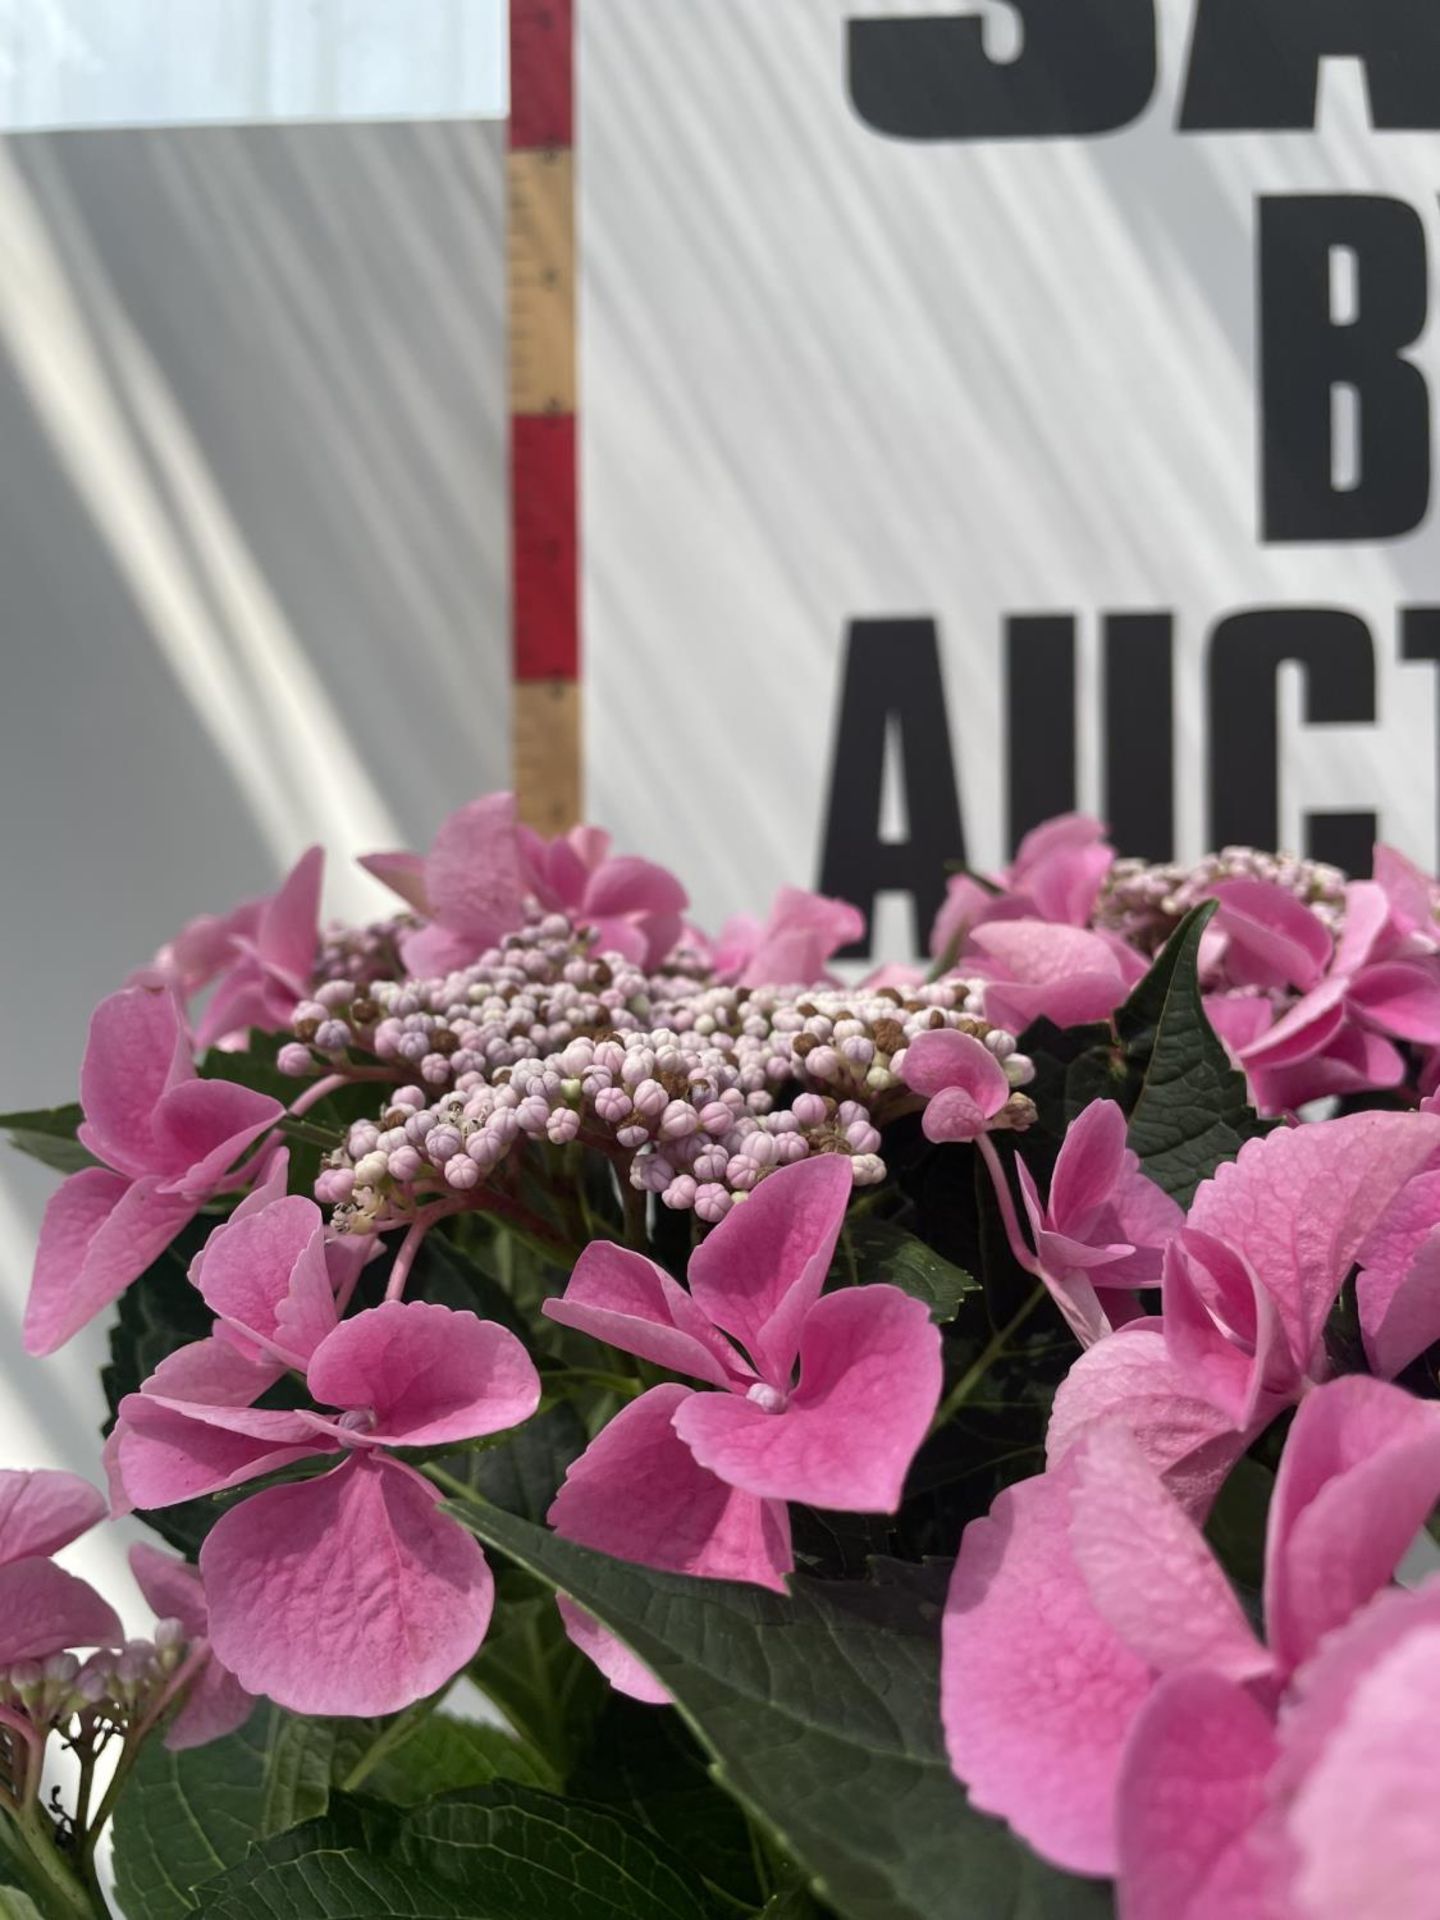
<point>945,1058</point>
<point>758,1273</point>
<point>1148,1569</point>
<point>1147,1216</point>
<point>628,885</point>
<point>1239,1019</point>
<point>289,923</point>
<point>403,873</point>
<point>241,1000</point>
<point>1272,939</point>
<point>43,1510</point>
<point>1062,833</point>
<point>431,1375</point>
<point>349,1594</point>
<point>44,1610</point>
<point>1131,1375</point>
<point>1352,1060</point>
<point>1222,1328</point>
<point>1088,1166</point>
<point>954,1114</point>
<point>472,873</point>
<point>1040,954</point>
<point>1360,1474</point>
<point>1306,1028</point>
<point>1063,879</point>
<point>870,1380</point>
<point>216,1372</point>
<point>100,1232</point>
<point>437,950</point>
<point>172,1588</point>
<point>1408,892</point>
<point>1367,915</point>
<point>1037,1692</point>
<point>618,1296</point>
<point>1362,1819</point>
<point>1192,1796</point>
<point>1078,1000</point>
<point>1299,1204</point>
<point>1398,1291</point>
<point>1402,997</point>
<point>215,1705</point>
<point>245,1270</point>
<point>734,945</point>
<point>135,1053</point>
<point>637,1492</point>
<point>203,1126</point>
<point>614,1659</point>
<point>1319,1694</point>
<point>169,1450</point>
<point>554,870</point>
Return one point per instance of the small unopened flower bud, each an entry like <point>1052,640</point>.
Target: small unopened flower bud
<point>404,1164</point>
<point>809,1109</point>
<point>712,1202</point>
<point>651,1099</point>
<point>563,1126</point>
<point>678,1121</point>
<point>612,1105</point>
<point>297,1062</point>
<point>761,1148</point>
<point>680,1194</point>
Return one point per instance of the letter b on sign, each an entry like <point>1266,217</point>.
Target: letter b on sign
<point>1314,354</point>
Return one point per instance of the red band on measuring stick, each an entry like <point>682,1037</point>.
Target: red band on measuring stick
<point>546,614</point>
<point>542,97</point>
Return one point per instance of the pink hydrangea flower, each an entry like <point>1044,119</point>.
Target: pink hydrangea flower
<point>1381,984</point>
<point>1056,875</point>
<point>168,1139</point>
<point>1247,1288</point>
<point>635,907</point>
<point>347,1593</point>
<point>215,1702</point>
<point>1103,1232</point>
<point>468,889</point>
<point>792,948</point>
<point>43,1609</point>
<point>696,1482</point>
<point>1103,1691</point>
<point>963,1084</point>
<point>261,955</point>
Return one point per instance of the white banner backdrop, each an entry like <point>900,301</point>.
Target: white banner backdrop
<point>850,357</point>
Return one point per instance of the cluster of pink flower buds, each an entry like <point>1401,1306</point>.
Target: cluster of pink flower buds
<point>116,1685</point>
<point>361,954</point>
<point>697,1090</point>
<point>1144,903</point>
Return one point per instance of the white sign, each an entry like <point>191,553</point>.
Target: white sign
<point>1069,359</point>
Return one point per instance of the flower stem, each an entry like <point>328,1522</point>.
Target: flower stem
<point>58,1890</point>
<point>395,1735</point>
<point>973,1375</point>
